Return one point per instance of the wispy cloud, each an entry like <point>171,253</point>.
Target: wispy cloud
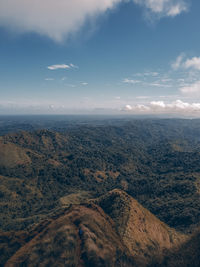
<point>131,81</point>
<point>159,84</point>
<point>73,66</point>
<point>189,85</point>
<point>147,73</point>
<point>62,66</point>
<point>151,79</point>
<point>151,73</point>
<point>71,85</point>
<point>177,9</point>
<point>49,79</point>
<point>178,62</point>
<point>164,8</point>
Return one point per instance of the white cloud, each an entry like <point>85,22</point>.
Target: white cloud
<point>62,66</point>
<point>177,106</point>
<point>59,19</point>
<point>55,19</point>
<point>158,104</point>
<point>130,81</point>
<point>142,107</point>
<point>189,85</point>
<point>136,108</point>
<point>84,83</point>
<point>127,108</point>
<point>192,63</point>
<point>176,9</point>
<point>58,66</point>
<point>192,89</point>
<point>164,8</point>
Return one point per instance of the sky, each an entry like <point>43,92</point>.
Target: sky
<point>108,56</point>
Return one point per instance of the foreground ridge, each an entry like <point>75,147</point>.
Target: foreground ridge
<point>113,230</point>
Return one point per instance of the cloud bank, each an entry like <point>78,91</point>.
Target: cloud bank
<point>177,106</point>
<point>58,19</point>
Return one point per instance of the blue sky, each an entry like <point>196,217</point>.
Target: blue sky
<point>137,56</point>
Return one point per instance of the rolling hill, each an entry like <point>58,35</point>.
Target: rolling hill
<point>117,232</point>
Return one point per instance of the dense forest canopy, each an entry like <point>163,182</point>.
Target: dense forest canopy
<point>72,171</point>
<point>154,160</point>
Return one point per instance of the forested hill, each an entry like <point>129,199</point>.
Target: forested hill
<point>155,161</point>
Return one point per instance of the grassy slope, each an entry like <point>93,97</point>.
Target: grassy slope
<point>60,243</point>
<point>123,233</point>
<point>141,231</point>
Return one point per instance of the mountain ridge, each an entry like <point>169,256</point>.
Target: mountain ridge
<point>101,238</point>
